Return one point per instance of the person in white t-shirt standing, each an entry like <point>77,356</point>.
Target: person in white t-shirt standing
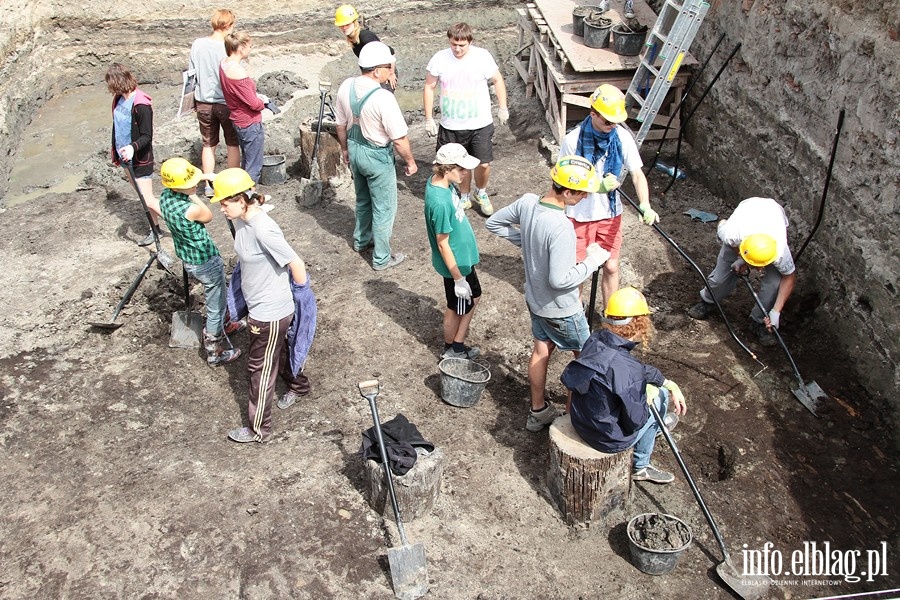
<point>603,139</point>
<point>212,112</point>
<point>370,128</point>
<point>464,72</point>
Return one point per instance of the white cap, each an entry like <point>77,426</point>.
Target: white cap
<point>455,154</point>
<point>374,54</point>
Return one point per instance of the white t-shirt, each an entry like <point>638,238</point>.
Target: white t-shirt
<point>465,97</point>
<point>381,119</point>
<point>595,207</point>
<point>759,215</point>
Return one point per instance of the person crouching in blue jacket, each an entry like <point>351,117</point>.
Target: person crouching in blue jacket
<point>611,390</point>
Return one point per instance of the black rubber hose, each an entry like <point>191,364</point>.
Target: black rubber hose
<point>834,145</point>
<point>700,272</point>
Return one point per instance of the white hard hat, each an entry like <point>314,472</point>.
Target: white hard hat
<point>374,54</point>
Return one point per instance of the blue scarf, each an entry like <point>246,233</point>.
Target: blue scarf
<point>596,146</point>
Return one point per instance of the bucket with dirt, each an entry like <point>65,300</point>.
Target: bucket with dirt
<point>628,41</point>
<point>596,30</point>
<point>463,381</point>
<point>580,12</point>
<point>274,171</point>
<point>656,541</point>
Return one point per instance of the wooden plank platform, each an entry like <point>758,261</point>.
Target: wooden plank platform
<point>558,16</point>
<point>555,64</point>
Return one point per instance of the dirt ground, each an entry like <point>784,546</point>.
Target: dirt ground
<point>122,484</point>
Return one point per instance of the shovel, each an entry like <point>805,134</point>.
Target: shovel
<point>311,189</point>
<point>111,325</point>
<point>809,394</point>
<point>187,326</point>
<point>165,260</point>
<point>160,255</point>
<point>748,587</point>
<point>408,569</point>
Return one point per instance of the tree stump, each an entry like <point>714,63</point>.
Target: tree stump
<point>416,490</point>
<point>328,155</point>
<point>586,485</point>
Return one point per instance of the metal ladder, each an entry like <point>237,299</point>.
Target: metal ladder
<point>668,41</point>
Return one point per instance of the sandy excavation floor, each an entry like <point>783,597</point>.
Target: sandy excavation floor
<point>120,482</point>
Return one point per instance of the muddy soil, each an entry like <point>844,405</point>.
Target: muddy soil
<point>659,532</point>
<point>122,484</point>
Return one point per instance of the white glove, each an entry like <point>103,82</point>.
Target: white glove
<point>263,97</point>
<point>462,289</point>
<point>739,266</point>
<point>503,115</point>
<point>431,127</point>
<point>774,317</point>
<point>126,152</point>
<point>596,256</point>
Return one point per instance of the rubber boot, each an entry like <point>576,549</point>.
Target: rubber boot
<point>219,350</point>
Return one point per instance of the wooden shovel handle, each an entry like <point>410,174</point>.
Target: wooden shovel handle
<point>367,384</point>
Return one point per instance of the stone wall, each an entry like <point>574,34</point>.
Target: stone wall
<point>767,129</point>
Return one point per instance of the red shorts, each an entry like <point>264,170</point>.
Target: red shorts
<point>606,232</point>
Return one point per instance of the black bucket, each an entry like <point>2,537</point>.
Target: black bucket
<point>274,171</point>
<point>596,31</point>
<point>580,12</point>
<point>653,561</point>
<point>628,41</point>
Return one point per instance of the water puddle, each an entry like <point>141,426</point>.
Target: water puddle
<point>67,129</point>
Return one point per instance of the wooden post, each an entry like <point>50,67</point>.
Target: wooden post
<point>416,490</point>
<point>587,485</point>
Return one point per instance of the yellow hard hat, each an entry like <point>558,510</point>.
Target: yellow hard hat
<point>609,101</point>
<point>575,173</point>
<point>231,182</point>
<point>179,174</point>
<point>624,304</point>
<point>344,15</point>
<point>758,249</point>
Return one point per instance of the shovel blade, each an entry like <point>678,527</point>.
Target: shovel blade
<point>409,572</point>
<point>811,396</point>
<point>187,328</point>
<point>310,192</point>
<point>748,587</point>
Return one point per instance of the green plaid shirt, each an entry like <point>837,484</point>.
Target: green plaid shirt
<point>193,244</point>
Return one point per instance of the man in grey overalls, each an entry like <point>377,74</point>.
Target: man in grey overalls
<point>370,126</point>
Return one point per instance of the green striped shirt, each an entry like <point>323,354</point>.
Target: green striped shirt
<point>193,244</point>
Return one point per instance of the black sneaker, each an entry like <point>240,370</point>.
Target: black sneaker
<point>652,474</point>
<point>765,337</point>
<point>701,310</point>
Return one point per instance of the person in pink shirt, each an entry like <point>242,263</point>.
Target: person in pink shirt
<point>244,103</point>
